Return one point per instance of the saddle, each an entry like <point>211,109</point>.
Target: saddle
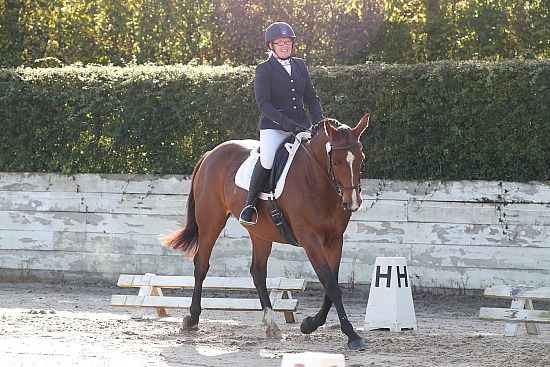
<point>283,160</point>
<point>273,189</point>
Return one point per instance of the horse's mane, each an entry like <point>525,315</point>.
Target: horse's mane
<point>319,125</point>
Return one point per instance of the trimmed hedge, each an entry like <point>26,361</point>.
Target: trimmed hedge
<point>444,120</point>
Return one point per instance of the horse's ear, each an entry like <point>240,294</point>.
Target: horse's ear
<point>361,126</point>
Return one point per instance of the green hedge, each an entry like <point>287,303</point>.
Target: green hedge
<point>445,120</point>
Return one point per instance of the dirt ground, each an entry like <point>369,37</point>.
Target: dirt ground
<point>73,325</point>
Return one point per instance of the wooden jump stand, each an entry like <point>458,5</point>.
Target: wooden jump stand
<point>521,309</point>
<point>150,294</point>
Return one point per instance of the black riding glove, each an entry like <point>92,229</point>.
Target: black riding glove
<point>298,129</point>
<point>290,125</point>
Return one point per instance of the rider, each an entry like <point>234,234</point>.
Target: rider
<point>281,86</point>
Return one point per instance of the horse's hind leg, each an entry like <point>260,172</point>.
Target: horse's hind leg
<point>191,321</point>
<point>261,249</point>
<point>208,234</point>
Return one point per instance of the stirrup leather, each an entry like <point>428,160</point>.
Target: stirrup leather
<point>251,223</point>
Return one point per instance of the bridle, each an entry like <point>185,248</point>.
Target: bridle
<point>334,181</point>
<point>329,148</point>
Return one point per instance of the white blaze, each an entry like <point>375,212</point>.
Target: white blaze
<point>354,202</point>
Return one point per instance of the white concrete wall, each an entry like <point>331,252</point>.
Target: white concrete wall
<point>90,227</point>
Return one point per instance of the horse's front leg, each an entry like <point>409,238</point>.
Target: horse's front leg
<point>333,291</point>
<point>261,250</point>
<point>310,324</point>
<point>328,276</point>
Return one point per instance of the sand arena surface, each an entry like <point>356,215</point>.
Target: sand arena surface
<point>46,325</point>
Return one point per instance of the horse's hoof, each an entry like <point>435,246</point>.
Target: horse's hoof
<point>308,325</point>
<point>188,326</point>
<point>274,334</point>
<point>357,344</point>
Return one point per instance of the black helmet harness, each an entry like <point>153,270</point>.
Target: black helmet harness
<point>275,31</point>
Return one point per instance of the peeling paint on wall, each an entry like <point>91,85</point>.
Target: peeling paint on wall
<point>462,235</point>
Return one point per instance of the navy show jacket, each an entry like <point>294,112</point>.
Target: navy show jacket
<point>281,96</point>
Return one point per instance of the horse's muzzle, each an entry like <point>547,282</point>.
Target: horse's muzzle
<point>351,208</point>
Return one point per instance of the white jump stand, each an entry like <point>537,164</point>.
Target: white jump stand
<point>313,359</point>
<point>390,305</point>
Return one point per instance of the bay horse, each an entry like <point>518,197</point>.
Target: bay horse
<point>322,190</point>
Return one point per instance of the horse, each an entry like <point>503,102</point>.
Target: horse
<point>322,190</point>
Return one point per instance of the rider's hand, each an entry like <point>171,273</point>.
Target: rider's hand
<point>292,126</point>
<point>298,129</point>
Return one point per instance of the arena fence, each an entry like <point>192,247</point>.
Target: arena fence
<point>93,227</point>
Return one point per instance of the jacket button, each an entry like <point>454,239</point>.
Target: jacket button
<point>294,107</point>
<point>292,80</point>
<point>294,90</point>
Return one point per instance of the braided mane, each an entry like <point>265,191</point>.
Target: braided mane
<point>319,125</point>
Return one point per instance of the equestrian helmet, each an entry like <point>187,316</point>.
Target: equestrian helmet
<point>278,30</point>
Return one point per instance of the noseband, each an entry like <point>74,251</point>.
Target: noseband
<point>330,148</point>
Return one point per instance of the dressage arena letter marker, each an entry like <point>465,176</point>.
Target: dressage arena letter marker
<point>391,306</point>
<point>387,276</point>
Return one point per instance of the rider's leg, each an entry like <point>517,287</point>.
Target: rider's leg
<point>260,175</point>
<point>270,140</point>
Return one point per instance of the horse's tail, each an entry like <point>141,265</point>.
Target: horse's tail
<point>187,238</point>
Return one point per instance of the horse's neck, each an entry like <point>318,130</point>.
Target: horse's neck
<point>315,159</point>
<point>314,187</point>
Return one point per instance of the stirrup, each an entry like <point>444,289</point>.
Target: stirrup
<point>245,222</point>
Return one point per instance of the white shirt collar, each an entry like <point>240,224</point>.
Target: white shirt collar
<point>286,64</point>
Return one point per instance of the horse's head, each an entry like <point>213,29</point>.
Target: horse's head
<point>344,157</point>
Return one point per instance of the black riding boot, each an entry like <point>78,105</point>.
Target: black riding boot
<point>259,179</point>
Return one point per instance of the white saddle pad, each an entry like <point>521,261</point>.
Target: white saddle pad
<point>244,173</point>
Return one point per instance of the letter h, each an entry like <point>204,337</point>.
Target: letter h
<point>402,276</point>
<point>387,276</point>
